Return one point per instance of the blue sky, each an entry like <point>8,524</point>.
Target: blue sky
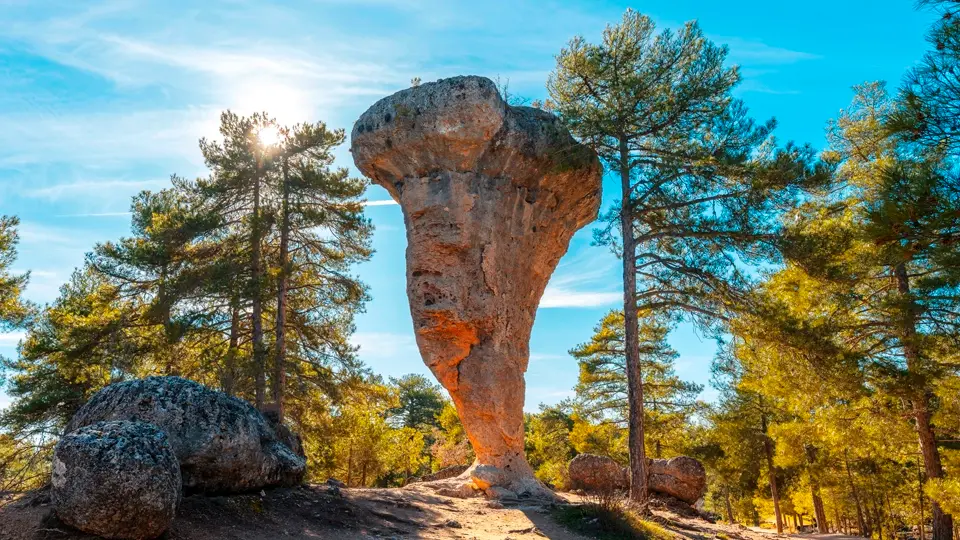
<point>102,99</point>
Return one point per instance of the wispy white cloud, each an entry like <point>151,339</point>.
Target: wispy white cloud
<point>754,85</point>
<point>586,280</point>
<point>35,233</point>
<point>301,72</point>
<point>384,345</point>
<point>388,202</point>
<point>44,285</point>
<point>753,52</point>
<point>97,214</point>
<point>11,339</point>
<point>95,188</point>
<point>35,273</point>
<point>102,140</point>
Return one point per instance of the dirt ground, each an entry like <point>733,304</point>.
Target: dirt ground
<point>320,512</point>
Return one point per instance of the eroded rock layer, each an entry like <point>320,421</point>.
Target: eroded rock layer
<point>491,195</point>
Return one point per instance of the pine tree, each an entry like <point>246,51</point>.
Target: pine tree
<point>752,412</point>
<point>885,235</point>
<point>699,180</point>
<point>420,402</point>
<point>321,233</point>
<point>152,263</point>
<point>87,339</point>
<point>13,310</point>
<point>929,102</point>
<point>669,403</point>
<point>547,442</point>
<point>240,165</point>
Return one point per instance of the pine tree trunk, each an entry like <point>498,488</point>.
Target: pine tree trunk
<point>942,522</point>
<point>350,466</point>
<point>726,500</point>
<point>774,493</point>
<point>280,372</point>
<point>259,358</point>
<point>230,377</point>
<point>638,458</point>
<point>818,510</point>
<point>166,318</point>
<point>861,523</point>
<point>878,518</point>
<point>923,531</point>
<point>892,526</point>
<point>819,513</point>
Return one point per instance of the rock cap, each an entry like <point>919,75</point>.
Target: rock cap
<point>462,124</point>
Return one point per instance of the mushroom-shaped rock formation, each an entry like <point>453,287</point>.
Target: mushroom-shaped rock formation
<point>491,195</point>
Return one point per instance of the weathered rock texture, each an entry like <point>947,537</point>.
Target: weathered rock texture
<point>589,472</point>
<point>491,195</point>
<point>116,479</point>
<point>223,443</point>
<point>682,477</point>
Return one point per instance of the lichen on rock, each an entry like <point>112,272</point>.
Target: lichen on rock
<point>116,479</point>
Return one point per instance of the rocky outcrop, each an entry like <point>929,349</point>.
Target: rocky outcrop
<point>589,472</point>
<point>491,195</point>
<point>681,477</point>
<point>116,479</point>
<point>223,443</point>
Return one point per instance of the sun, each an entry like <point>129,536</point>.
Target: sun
<point>268,135</point>
<point>284,101</point>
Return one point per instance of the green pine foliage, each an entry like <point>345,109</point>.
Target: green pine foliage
<point>601,391</point>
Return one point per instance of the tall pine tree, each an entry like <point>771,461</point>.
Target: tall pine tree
<point>700,181</point>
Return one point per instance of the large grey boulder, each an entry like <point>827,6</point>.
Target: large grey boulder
<point>223,443</point>
<point>117,480</point>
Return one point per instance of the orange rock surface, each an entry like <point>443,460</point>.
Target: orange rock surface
<point>491,195</point>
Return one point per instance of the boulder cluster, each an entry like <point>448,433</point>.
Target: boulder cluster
<point>682,478</point>
<point>130,452</point>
